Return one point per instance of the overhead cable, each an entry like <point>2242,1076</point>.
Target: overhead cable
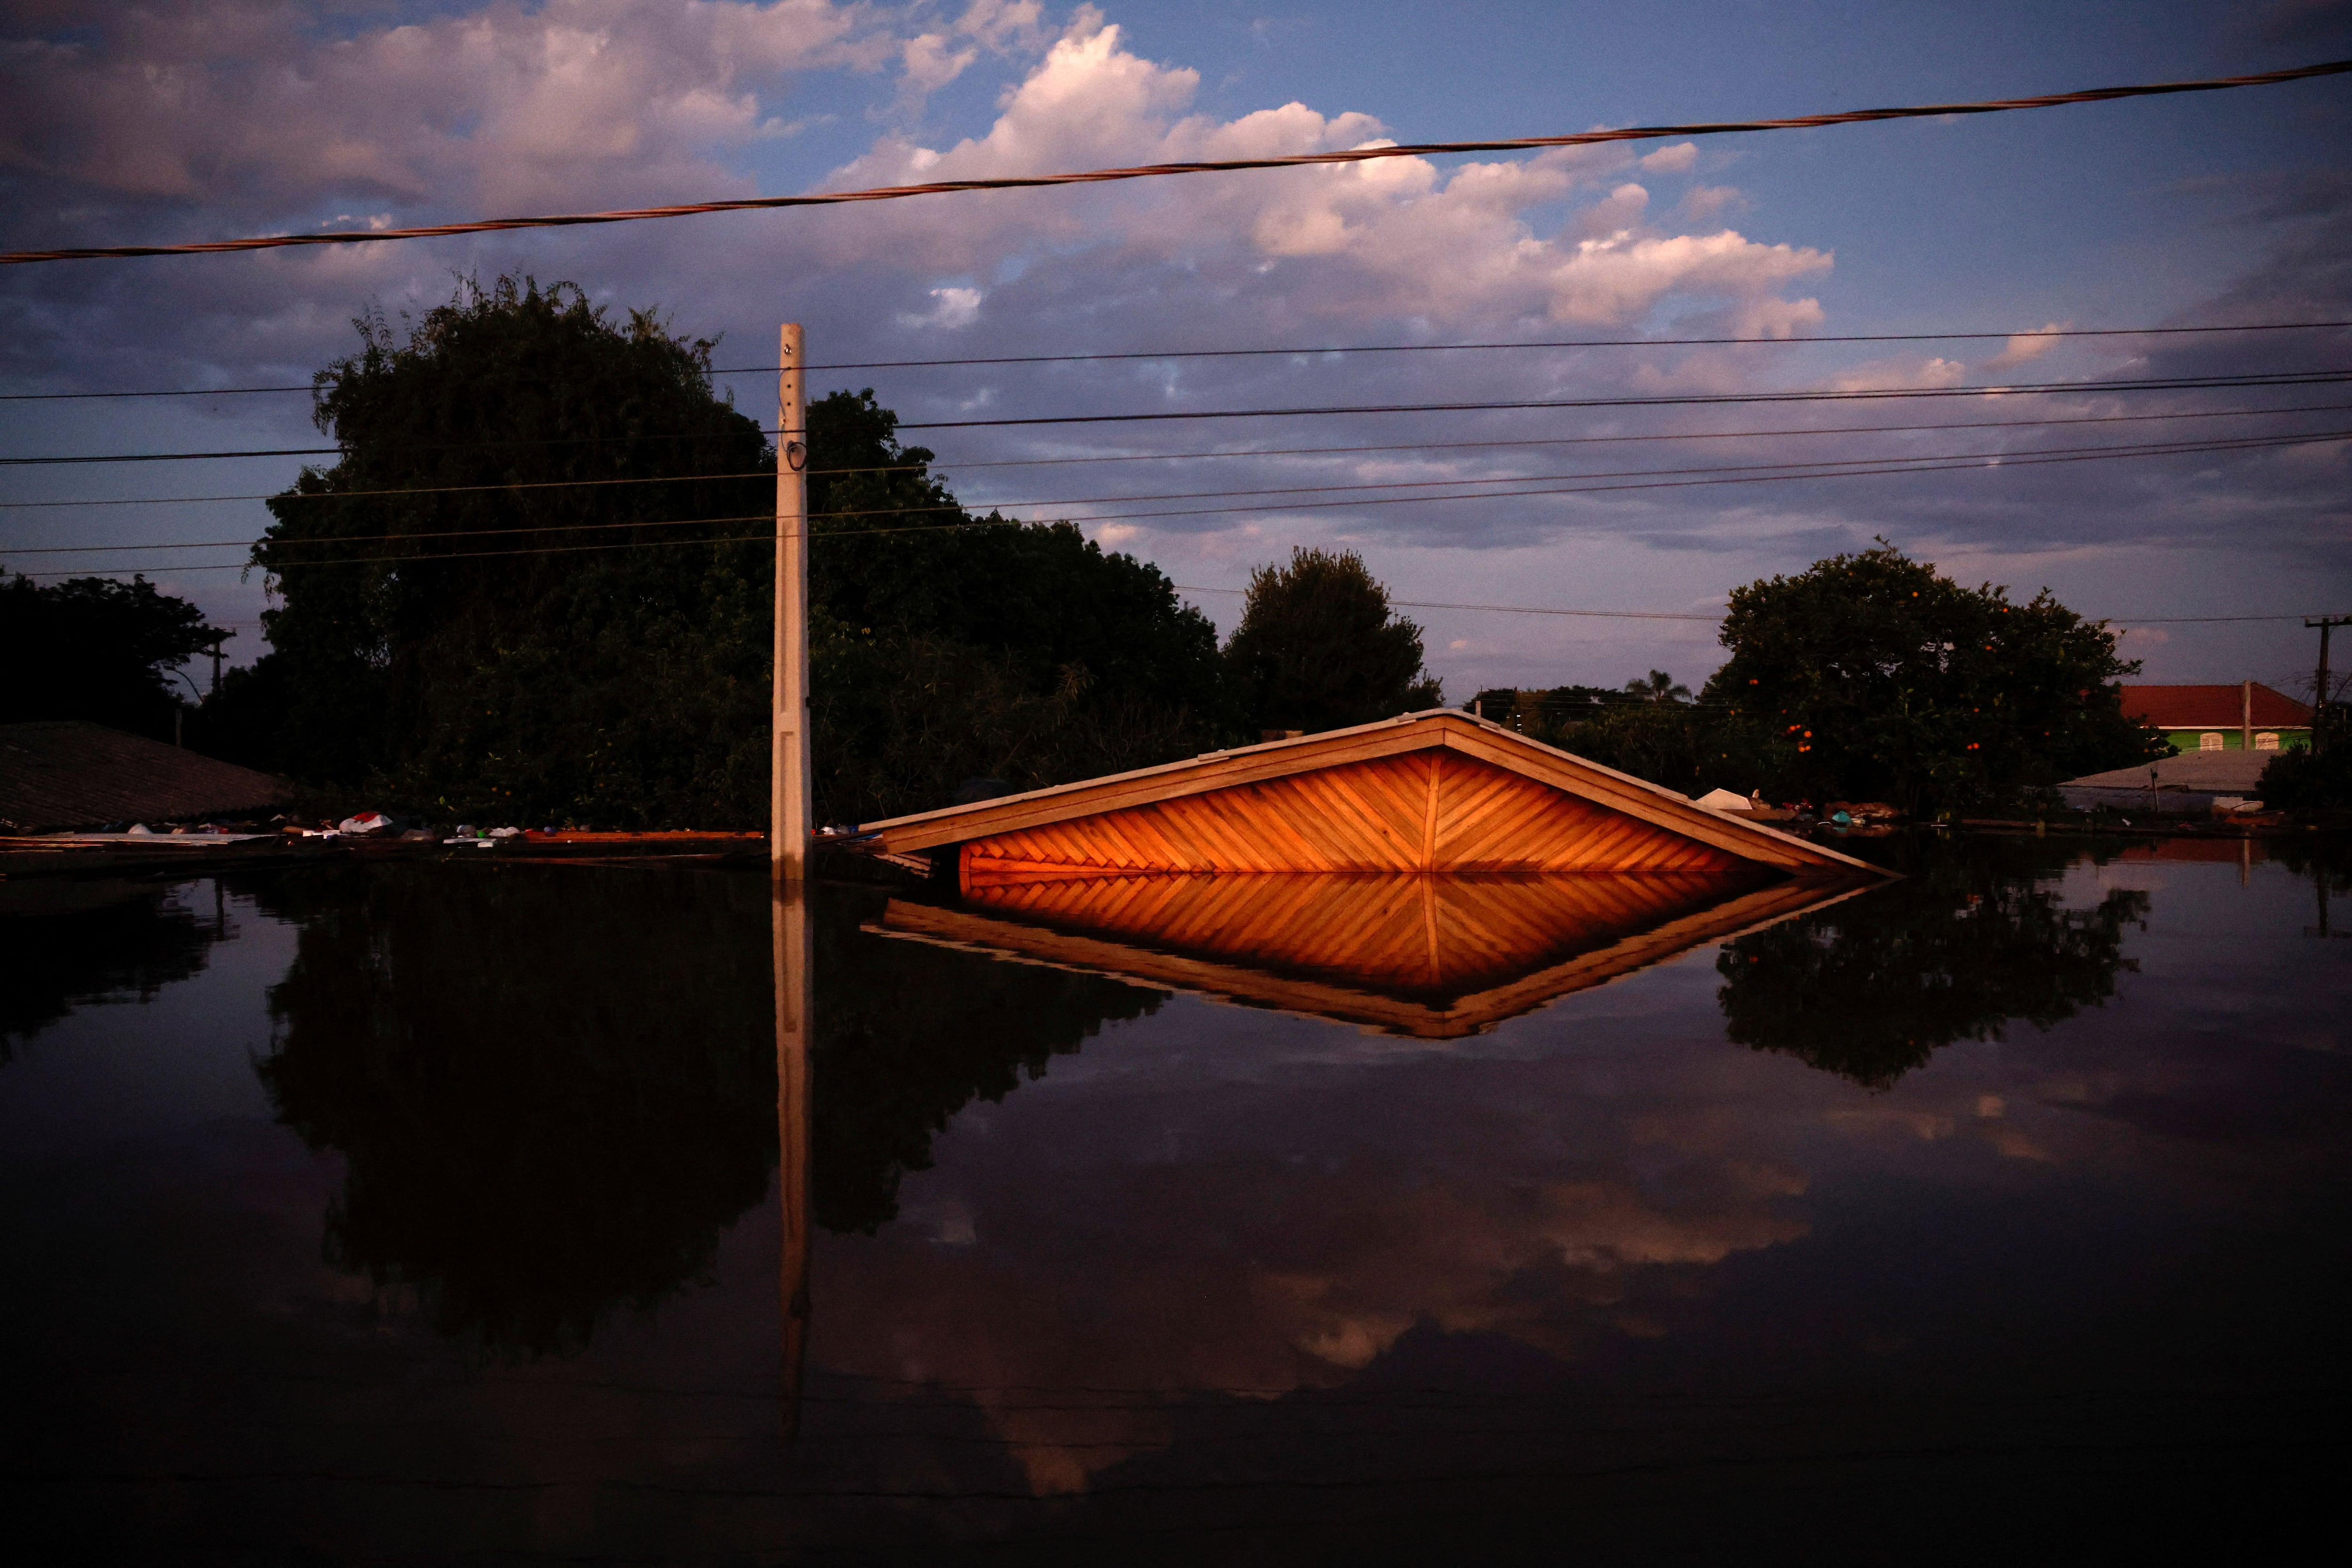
<point>1823,467</point>
<point>1929,466</point>
<point>1682,400</point>
<point>943,469</point>
<point>1326,350</point>
<point>1204,166</point>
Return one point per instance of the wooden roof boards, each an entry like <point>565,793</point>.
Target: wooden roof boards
<point>1431,792</point>
<point>1431,957</point>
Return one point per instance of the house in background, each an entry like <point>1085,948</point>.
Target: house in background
<point>2247,717</point>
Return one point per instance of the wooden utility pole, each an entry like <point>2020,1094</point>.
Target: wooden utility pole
<point>789,777</point>
<point>2319,680</point>
<point>788,846</point>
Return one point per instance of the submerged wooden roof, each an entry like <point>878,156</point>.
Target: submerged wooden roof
<point>1437,791</point>
<point>1428,957</point>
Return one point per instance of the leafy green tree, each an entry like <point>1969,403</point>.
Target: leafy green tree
<point>945,647</point>
<point>526,626</point>
<point>95,648</point>
<point>536,584</point>
<point>1317,647</point>
<point>1871,676</point>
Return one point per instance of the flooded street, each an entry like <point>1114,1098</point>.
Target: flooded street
<point>416,1212</point>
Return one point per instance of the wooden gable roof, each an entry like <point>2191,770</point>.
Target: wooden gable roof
<point>1428,957</point>
<point>1438,791</point>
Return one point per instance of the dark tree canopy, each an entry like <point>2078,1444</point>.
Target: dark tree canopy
<point>990,648</point>
<point>1317,647</point>
<point>1871,676</point>
<point>514,633</point>
<point>94,649</point>
<point>566,615</point>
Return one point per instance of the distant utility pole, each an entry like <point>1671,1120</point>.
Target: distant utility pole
<point>217,661</point>
<point>788,774</point>
<point>2325,623</point>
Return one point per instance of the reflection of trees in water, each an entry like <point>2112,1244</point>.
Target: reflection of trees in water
<point>552,1091</point>
<point>554,1088</point>
<point>1966,944</point>
<point>63,944</point>
<point>907,1035</point>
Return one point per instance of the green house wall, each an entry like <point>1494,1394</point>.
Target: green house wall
<point>2232,740</point>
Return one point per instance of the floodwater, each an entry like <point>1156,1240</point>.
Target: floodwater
<point>422,1213</point>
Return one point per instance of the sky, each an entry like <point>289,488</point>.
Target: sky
<point>170,121</point>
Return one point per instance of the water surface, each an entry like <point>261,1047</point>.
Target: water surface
<point>427,1213</point>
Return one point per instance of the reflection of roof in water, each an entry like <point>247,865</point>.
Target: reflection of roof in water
<point>1433,957</point>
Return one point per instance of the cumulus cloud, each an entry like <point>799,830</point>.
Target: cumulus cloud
<point>253,107</point>
<point>1394,238</point>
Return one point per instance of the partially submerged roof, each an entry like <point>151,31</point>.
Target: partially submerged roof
<point>2213,708</point>
<point>1428,957</point>
<point>1438,791</point>
<point>69,774</point>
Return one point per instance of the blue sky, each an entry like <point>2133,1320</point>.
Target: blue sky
<point>183,121</point>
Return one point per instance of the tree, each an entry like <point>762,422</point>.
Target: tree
<point>94,649</point>
<point>1871,676</point>
<point>536,586</point>
<point>1658,687</point>
<point>515,590</point>
<point>2317,777</point>
<point>946,647</point>
<point>1318,649</point>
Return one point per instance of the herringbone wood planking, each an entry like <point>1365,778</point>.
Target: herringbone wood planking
<point>1433,810</point>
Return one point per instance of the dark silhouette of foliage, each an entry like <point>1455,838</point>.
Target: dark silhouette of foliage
<point>1970,942</point>
<point>991,650</point>
<point>94,649</point>
<point>591,681</point>
<point>626,682</point>
<point>1872,678</point>
<point>2317,777</point>
<point>1318,649</point>
<point>1658,687</point>
<point>65,943</point>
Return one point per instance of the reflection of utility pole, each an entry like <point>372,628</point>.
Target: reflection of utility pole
<point>2325,623</point>
<point>789,922</point>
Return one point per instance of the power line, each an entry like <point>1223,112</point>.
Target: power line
<point>936,467</point>
<point>1921,466</point>
<point>1826,467</point>
<point>1325,350</point>
<point>1846,395</point>
<point>1153,170</point>
<point>1851,395</point>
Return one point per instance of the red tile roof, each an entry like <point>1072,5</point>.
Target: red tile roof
<point>76,774</point>
<point>2212,708</point>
